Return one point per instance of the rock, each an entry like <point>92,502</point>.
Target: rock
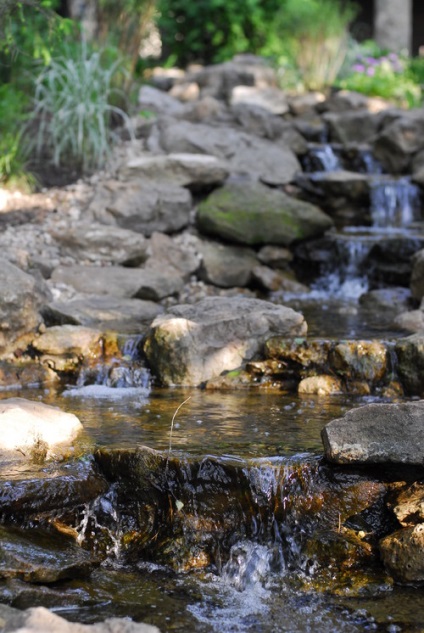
<point>352,126</point>
<point>361,360</point>
<point>347,100</point>
<point>102,243</point>
<point>277,280</point>
<point>394,299</point>
<point>226,266</point>
<point>275,256</point>
<point>41,620</point>
<point>320,385</point>
<point>399,140</point>
<point>26,372</point>
<point>120,282</point>
<point>412,321</point>
<point>35,429</point>
<point>157,101</point>
<point>20,301</point>
<point>193,170</point>
<point>410,363</point>
<point>271,99</point>
<point>338,188</point>
<point>179,254</point>
<point>244,154</point>
<point>377,434</point>
<point>253,214</point>
<point>193,343</point>
<point>403,554</point>
<point>41,558</point>
<point>141,206</point>
<point>409,505</point>
<point>103,313</point>
<point>417,275</point>
<point>69,339</point>
<point>303,104</point>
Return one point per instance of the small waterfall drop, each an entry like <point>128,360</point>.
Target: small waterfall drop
<point>394,203</point>
<point>322,158</point>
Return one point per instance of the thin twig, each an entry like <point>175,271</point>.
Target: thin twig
<point>172,424</point>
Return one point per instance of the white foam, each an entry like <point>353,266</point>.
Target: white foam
<point>105,392</point>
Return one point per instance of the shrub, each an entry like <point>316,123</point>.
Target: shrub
<point>74,109</point>
<point>385,75</point>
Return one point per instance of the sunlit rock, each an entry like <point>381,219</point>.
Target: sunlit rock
<point>320,385</point>
<point>41,620</point>
<point>361,360</point>
<point>410,363</point>
<point>251,213</point>
<point>193,343</point>
<point>409,505</point>
<point>403,554</point>
<point>377,434</point>
<point>34,429</point>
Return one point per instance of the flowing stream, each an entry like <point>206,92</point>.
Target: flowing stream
<point>265,584</point>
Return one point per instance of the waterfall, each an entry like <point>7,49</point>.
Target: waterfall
<point>394,203</point>
<point>322,158</point>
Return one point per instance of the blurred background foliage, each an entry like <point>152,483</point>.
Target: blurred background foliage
<point>308,42</point>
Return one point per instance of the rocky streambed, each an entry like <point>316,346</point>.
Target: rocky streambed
<point>259,255</point>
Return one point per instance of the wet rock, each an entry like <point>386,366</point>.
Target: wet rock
<point>120,282</point>
<point>377,434</point>
<point>272,100</point>
<point>361,360</point>
<point>25,373</point>
<point>403,554</point>
<point>417,275</point>
<point>352,126</point>
<point>103,243</point>
<point>256,215</point>
<point>34,429</point>
<point>410,363</point>
<point>20,301</point>
<point>194,170</point>
<point>338,188</point>
<point>320,385</point>
<point>409,505</point>
<point>300,352</point>
<point>41,558</point>
<point>245,154</point>
<point>41,620</point>
<point>399,140</point>
<point>42,493</point>
<point>103,313</point>
<point>226,266</point>
<point>141,206</point>
<point>192,344</point>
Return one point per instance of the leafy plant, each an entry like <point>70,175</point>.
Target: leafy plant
<point>74,108</point>
<point>314,39</point>
<point>13,152</point>
<point>387,75</point>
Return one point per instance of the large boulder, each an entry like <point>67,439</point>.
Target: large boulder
<point>377,434</point>
<point>352,127</point>
<point>399,140</point>
<point>193,343</point>
<point>253,214</point>
<point>244,153</point>
<point>20,301</point>
<point>141,206</point>
<point>34,428</point>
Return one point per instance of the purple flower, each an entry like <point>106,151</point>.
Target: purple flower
<point>371,61</point>
<point>358,68</point>
<point>370,71</point>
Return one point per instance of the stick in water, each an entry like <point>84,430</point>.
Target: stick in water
<point>172,424</point>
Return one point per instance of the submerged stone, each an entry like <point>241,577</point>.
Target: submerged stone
<point>377,434</point>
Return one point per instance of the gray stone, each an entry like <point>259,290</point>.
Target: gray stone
<point>377,434</point>
<point>253,214</point>
<point>159,102</point>
<point>412,321</point>
<point>103,313</point>
<point>103,243</point>
<point>244,153</point>
<point>117,281</point>
<point>179,253</point>
<point>69,339</point>
<point>41,620</point>
<point>194,170</point>
<point>417,275</point>
<point>20,301</point>
<point>193,343</point>
<point>399,140</point>
<point>143,206</point>
<point>226,266</point>
<point>352,127</point>
<point>271,99</point>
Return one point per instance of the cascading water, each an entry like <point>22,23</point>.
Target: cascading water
<point>394,203</point>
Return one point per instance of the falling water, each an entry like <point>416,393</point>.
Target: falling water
<point>322,158</point>
<point>394,203</point>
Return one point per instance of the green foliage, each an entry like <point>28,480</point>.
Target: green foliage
<point>313,38</point>
<point>74,108</point>
<point>211,31</point>
<point>13,156</point>
<point>383,74</point>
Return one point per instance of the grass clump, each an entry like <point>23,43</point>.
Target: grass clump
<point>74,108</point>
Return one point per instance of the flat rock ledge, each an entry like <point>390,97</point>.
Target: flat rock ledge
<point>377,434</point>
